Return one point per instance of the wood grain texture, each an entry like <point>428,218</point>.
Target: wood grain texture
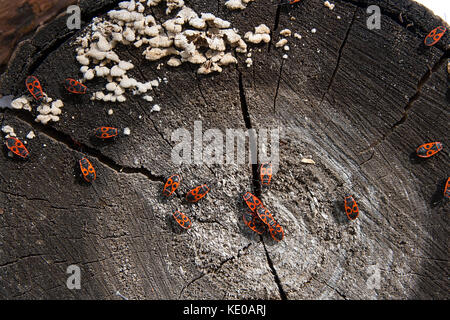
<point>357,101</point>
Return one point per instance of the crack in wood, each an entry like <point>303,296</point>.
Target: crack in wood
<point>255,180</point>
<point>70,143</point>
<point>278,87</point>
<point>398,17</point>
<point>423,80</point>
<point>248,124</point>
<point>281,291</point>
<point>215,269</point>
<point>331,287</point>
<point>275,27</point>
<point>44,52</point>
<point>341,48</point>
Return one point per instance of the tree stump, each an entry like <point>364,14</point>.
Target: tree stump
<point>356,101</point>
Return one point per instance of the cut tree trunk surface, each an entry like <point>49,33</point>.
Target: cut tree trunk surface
<point>356,101</point>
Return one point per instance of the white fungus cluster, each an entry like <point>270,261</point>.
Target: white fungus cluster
<point>283,42</point>
<point>201,40</point>
<point>204,40</point>
<point>261,34</point>
<point>49,110</point>
<point>8,131</point>
<point>21,103</point>
<point>237,4</point>
<point>328,5</point>
<point>98,59</point>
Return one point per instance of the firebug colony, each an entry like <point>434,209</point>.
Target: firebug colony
<point>257,217</point>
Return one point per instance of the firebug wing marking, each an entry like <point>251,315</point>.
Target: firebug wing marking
<point>252,201</point>
<point>75,86</point>
<point>34,87</point>
<point>275,229</point>
<point>182,219</point>
<point>447,189</point>
<point>265,172</point>
<point>171,185</point>
<point>434,36</point>
<point>351,208</point>
<point>277,232</point>
<point>252,221</point>
<point>17,147</point>
<point>284,2</point>
<point>427,150</point>
<point>197,193</point>
<point>87,170</point>
<point>106,132</point>
<point>265,216</point>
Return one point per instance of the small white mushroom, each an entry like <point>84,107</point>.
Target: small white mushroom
<point>127,82</point>
<point>174,62</point>
<point>16,104</point>
<point>262,29</point>
<point>221,24</point>
<point>129,35</point>
<point>217,44</point>
<point>111,86</point>
<point>83,60</point>
<point>103,44</point>
<point>125,65</point>
<point>285,33</point>
<point>44,119</point>
<point>89,74</point>
<point>8,130</point>
<point>235,5</point>
<point>96,54</point>
<point>227,59</point>
<point>121,98</point>
<point>197,23</point>
<point>111,55</point>
<point>328,5</point>
<point>31,135</point>
<point>154,54</point>
<point>119,91</point>
<point>99,95</point>
<point>281,43</point>
<point>160,42</point>
<point>116,71</point>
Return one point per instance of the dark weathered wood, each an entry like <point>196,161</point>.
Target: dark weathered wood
<point>357,101</point>
<point>20,18</point>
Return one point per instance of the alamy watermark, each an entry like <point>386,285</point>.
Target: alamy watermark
<point>74,19</point>
<point>74,280</point>
<point>232,147</point>
<point>374,20</point>
<point>374,280</point>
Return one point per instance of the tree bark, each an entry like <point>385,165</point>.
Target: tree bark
<point>20,18</point>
